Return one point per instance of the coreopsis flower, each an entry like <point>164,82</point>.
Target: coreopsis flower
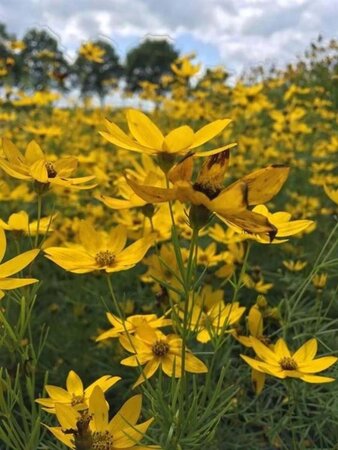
<point>155,349</point>
<point>131,324</point>
<point>35,166</point>
<point>75,394</point>
<point>91,429</point>
<point>97,251</point>
<point>256,330</point>
<point>294,266</point>
<point>319,280</point>
<point>92,52</point>
<point>282,363</point>
<point>281,220</point>
<point>148,138</point>
<point>183,67</point>
<point>207,194</point>
<point>13,266</point>
<point>210,316</point>
<point>19,223</point>
<point>256,282</point>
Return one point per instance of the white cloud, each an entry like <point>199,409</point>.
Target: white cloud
<point>244,32</point>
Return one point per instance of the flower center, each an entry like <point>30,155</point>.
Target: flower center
<point>160,348</point>
<point>50,169</point>
<point>77,400</point>
<point>102,440</point>
<point>105,258</point>
<point>288,363</point>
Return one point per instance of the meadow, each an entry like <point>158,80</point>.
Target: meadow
<point>169,277</point>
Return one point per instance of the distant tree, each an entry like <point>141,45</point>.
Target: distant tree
<point>42,64</point>
<point>96,75</point>
<point>148,62</point>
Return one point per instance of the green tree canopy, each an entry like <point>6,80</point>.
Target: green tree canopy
<point>97,77</point>
<point>42,64</point>
<point>148,62</point>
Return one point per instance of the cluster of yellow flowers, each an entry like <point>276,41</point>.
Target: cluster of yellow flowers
<point>170,196</point>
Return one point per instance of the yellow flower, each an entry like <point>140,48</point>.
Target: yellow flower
<point>92,52</point>
<point>332,194</point>
<point>131,324</point>
<point>35,166</point>
<point>92,429</point>
<point>153,348</point>
<point>98,252</point>
<point>75,395</point>
<point>13,266</point>
<point>295,266</point>
<point>319,280</point>
<point>281,363</point>
<point>20,222</point>
<point>147,137</point>
<point>256,282</point>
<point>255,326</point>
<point>281,220</point>
<point>230,204</point>
<point>183,67</point>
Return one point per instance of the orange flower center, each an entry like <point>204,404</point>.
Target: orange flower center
<point>102,440</point>
<point>160,348</point>
<point>105,258</point>
<point>288,363</point>
<point>50,169</point>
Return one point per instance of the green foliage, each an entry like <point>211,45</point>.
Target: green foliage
<point>148,62</point>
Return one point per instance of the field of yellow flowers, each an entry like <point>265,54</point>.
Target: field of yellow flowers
<point>169,276</point>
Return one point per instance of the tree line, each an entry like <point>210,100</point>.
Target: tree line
<point>37,63</point>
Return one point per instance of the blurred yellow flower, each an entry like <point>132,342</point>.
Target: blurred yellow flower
<point>92,52</point>
<point>282,363</point>
<point>13,266</point>
<point>96,252</point>
<point>19,222</point>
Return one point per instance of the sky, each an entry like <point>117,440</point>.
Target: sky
<point>237,34</point>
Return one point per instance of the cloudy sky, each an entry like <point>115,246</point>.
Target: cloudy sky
<point>235,33</point>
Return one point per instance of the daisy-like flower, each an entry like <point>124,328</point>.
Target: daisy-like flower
<point>74,395</point>
<point>91,429</point>
<point>294,266</point>
<point>131,324</point>
<point>19,222</point>
<point>13,266</point>
<point>148,138</point>
<point>155,349</point>
<point>92,52</point>
<point>281,363</point>
<point>283,223</point>
<point>35,166</point>
<point>207,194</point>
<point>100,252</point>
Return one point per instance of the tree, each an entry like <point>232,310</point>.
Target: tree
<point>97,77</point>
<point>42,63</point>
<point>148,62</point>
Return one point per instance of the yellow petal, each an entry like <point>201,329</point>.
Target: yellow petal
<point>17,263</point>
<point>248,221</point>
<point>127,415</point>
<point>148,371</point>
<point>130,436</point>
<point>117,203</point>
<point>316,379</point>
<point>144,130</point>
<point>209,131</point>
<point>152,194</point>
<point>178,139</point>
<point>214,151</point>
<point>15,171</point>
<point>117,137</point>
<point>255,322</point>
<point>74,384</point>
<point>194,365</point>
<point>33,153</point>
<point>14,283</point>
<point>66,416</point>
<point>134,252</point>
<point>293,227</point>
<point>230,199</point>
<point>317,365</point>
<point>19,221</point>
<point>105,382</point>
<point>11,152</point>
<point>263,184</point>
<point>306,352</point>
<point>58,394</point>
<point>117,239</point>
<point>77,261</point>
<point>263,352</point>
<point>90,239</point>
<point>98,407</point>
<point>38,171</point>
<point>66,439</point>
<point>3,244</point>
